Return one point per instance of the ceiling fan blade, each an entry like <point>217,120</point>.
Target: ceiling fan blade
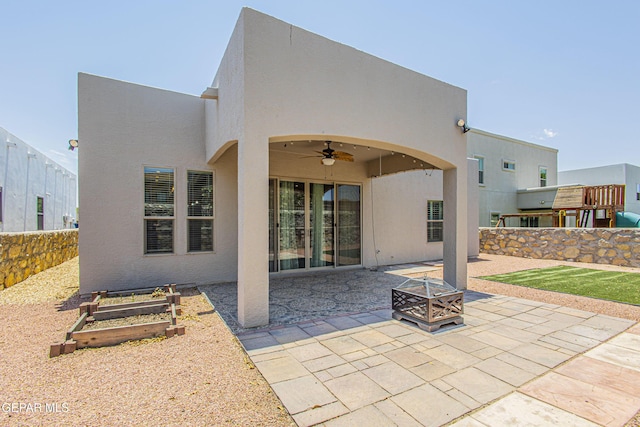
<point>341,155</point>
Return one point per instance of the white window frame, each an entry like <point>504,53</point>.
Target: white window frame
<point>210,217</point>
<point>546,174</point>
<point>39,214</point>
<point>147,218</point>
<point>506,163</point>
<point>481,177</point>
<point>491,214</point>
<point>431,221</point>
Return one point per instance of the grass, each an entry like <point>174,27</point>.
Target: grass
<point>606,285</point>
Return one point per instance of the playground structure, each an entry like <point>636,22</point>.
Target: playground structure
<point>600,206</point>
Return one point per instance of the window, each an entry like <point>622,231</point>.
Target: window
<point>495,218</point>
<point>40,206</point>
<point>508,165</point>
<point>529,221</point>
<point>0,204</point>
<point>542,173</point>
<point>199,211</point>
<point>435,221</point>
<point>637,196</point>
<point>158,210</point>
<point>480,169</point>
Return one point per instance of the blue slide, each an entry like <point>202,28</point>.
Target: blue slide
<point>627,220</point>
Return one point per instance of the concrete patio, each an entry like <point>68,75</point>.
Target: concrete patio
<point>514,362</point>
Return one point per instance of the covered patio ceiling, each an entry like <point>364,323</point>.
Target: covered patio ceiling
<point>378,162</point>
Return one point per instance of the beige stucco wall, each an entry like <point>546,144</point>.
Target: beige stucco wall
<point>592,245</point>
<point>124,127</point>
<point>24,254</point>
<point>275,83</point>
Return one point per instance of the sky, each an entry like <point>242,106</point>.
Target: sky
<point>560,73</point>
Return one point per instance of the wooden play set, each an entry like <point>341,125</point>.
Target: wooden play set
<point>590,205</point>
<point>154,301</point>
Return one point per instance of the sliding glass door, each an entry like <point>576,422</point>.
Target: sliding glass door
<point>310,222</point>
<point>321,223</point>
<point>292,242</point>
<point>349,242</point>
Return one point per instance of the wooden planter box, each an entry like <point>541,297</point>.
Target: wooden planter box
<point>92,311</point>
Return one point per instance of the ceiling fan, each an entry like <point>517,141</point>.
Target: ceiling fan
<point>329,155</point>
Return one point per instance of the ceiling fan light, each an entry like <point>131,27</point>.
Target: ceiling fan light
<point>327,161</point>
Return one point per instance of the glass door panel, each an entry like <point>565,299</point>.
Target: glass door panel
<point>349,241</point>
<point>321,223</point>
<point>272,225</point>
<point>291,251</point>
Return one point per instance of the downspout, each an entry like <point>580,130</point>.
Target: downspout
<point>6,177</point>
<point>26,193</point>
<point>46,194</point>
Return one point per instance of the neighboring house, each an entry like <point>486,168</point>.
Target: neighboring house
<point>507,168</point>
<point>36,193</point>
<point>239,184</point>
<point>625,174</point>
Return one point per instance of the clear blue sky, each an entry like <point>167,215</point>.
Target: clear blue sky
<point>561,73</point>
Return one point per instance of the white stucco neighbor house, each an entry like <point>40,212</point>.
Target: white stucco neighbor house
<point>36,193</point>
<point>512,174</point>
<point>624,173</point>
<point>303,155</point>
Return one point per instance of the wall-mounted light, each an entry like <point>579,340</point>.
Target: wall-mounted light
<point>73,144</point>
<point>463,126</point>
<point>327,161</point>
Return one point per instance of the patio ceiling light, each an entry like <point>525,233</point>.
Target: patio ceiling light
<point>327,161</point>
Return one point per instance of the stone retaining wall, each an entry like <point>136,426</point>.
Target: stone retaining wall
<point>616,246</point>
<point>25,254</point>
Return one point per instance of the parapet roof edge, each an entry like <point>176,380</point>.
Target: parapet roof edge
<point>513,140</point>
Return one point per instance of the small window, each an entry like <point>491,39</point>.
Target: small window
<point>0,204</point>
<point>495,218</point>
<point>199,211</point>
<point>637,196</point>
<point>529,221</point>
<point>508,165</point>
<point>159,210</point>
<point>542,173</point>
<point>480,169</point>
<point>435,221</point>
<point>40,209</point>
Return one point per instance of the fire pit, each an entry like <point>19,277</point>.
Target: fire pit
<point>430,303</point>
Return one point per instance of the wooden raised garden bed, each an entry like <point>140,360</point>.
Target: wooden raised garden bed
<point>147,313</point>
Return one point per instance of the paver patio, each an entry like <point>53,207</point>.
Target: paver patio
<point>506,365</point>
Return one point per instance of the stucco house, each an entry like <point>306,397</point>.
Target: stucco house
<point>303,155</point>
<point>36,193</point>
<point>510,172</point>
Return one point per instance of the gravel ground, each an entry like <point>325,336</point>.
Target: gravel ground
<point>201,378</point>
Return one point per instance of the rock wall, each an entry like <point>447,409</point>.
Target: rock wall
<point>616,246</point>
<point>25,254</point>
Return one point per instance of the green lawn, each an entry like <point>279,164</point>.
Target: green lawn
<point>607,285</point>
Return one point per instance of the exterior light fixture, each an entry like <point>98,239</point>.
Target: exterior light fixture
<point>328,161</point>
<point>73,144</point>
<point>463,126</point>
